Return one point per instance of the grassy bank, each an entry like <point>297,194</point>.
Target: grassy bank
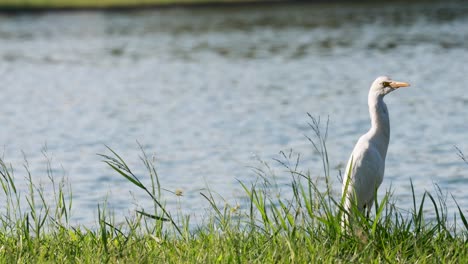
<point>267,228</point>
<point>30,5</point>
<point>106,3</point>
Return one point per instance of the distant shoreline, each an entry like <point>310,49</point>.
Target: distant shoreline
<point>128,5</point>
<point>135,5</point>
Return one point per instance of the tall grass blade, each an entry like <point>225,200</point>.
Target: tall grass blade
<point>119,165</point>
<point>379,211</point>
<point>462,216</point>
<point>128,177</point>
<point>438,218</point>
<point>160,218</point>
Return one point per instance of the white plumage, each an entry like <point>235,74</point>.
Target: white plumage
<point>365,169</point>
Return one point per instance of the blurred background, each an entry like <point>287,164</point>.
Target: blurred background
<point>212,92</point>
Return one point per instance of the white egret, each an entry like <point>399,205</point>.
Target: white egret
<point>365,170</point>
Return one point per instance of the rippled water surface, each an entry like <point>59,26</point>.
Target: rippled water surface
<point>208,92</point>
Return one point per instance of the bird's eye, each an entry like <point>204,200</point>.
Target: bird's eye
<point>385,84</point>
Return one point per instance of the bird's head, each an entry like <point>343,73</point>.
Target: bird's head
<point>384,85</point>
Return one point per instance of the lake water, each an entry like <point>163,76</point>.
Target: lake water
<point>210,91</point>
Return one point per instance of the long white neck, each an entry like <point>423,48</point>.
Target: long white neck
<point>380,122</point>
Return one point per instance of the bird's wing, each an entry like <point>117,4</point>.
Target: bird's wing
<point>366,172</point>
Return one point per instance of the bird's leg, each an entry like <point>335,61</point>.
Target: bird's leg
<point>366,210</point>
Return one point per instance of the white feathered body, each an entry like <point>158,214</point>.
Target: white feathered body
<point>368,158</point>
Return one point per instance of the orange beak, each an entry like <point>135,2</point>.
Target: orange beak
<point>396,85</point>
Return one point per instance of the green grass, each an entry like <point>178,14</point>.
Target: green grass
<point>268,228</point>
<point>104,3</point>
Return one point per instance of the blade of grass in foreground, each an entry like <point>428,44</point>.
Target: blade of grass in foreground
<point>119,165</point>
<point>462,216</point>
